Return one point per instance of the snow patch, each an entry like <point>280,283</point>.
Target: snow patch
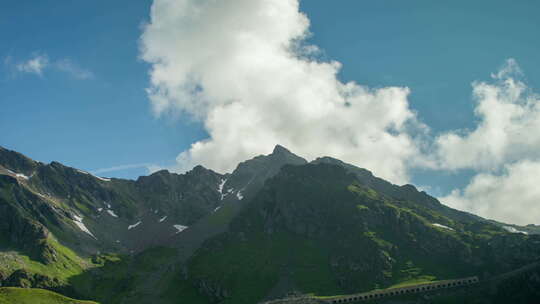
<point>442,226</point>
<point>239,195</point>
<point>220,187</point>
<point>217,208</point>
<point>134,225</point>
<point>162,219</point>
<point>513,230</point>
<point>78,221</point>
<point>180,228</point>
<point>108,206</point>
<point>18,175</point>
<point>112,213</point>
<point>99,209</point>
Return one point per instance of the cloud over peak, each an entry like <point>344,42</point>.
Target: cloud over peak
<point>244,70</point>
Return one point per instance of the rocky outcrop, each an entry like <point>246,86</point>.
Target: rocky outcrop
<point>214,291</point>
<point>25,279</point>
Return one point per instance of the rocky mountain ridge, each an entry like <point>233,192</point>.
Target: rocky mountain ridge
<point>275,225</point>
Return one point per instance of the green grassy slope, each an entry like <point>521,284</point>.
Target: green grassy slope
<point>130,278</point>
<point>12,295</point>
<point>20,270</point>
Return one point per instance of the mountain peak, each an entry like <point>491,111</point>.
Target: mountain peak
<point>284,156</point>
<point>279,149</point>
<point>17,162</point>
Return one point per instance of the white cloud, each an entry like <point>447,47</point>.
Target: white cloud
<point>512,197</point>
<point>504,151</point>
<point>509,120</point>
<point>41,62</point>
<point>243,68</point>
<point>34,65</point>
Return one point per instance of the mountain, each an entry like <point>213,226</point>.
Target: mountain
<point>274,226</point>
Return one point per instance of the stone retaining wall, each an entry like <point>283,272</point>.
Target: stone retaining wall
<point>379,294</point>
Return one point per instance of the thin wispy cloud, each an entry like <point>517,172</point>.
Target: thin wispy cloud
<point>68,66</point>
<point>38,64</point>
<point>150,167</point>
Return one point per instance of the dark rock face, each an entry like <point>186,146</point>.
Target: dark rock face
<point>523,287</point>
<point>17,162</point>
<point>187,197</point>
<point>250,175</point>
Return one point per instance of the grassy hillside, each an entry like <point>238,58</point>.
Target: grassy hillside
<point>12,295</point>
<point>20,270</point>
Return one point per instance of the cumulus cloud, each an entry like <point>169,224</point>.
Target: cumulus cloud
<point>244,70</point>
<point>34,65</point>
<point>512,197</point>
<point>38,63</point>
<point>509,120</point>
<point>504,150</point>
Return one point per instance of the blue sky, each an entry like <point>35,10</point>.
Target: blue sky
<point>91,123</point>
<point>88,106</point>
